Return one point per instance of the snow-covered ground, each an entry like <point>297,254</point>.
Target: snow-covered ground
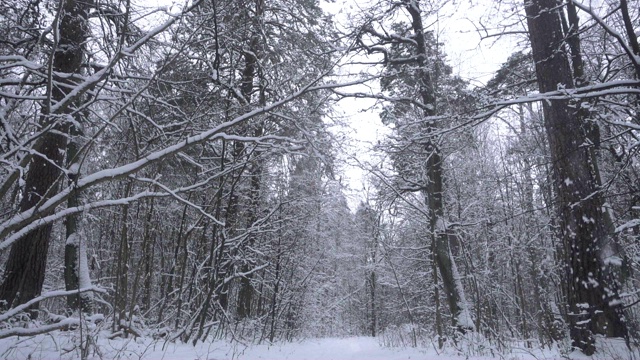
<point>61,346</point>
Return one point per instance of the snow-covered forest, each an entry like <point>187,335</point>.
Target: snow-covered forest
<point>175,177</point>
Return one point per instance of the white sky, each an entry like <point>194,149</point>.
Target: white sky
<point>473,59</point>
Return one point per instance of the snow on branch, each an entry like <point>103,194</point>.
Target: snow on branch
<point>32,218</point>
<point>627,49</point>
<point>91,81</point>
<point>41,221</point>
<point>51,294</point>
<point>628,225</point>
<point>380,96</point>
<point>618,87</point>
<point>66,323</point>
<point>183,200</point>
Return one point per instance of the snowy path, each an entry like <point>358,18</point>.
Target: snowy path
<point>335,349</point>
<point>357,348</point>
<point>60,346</point>
<point>367,348</point>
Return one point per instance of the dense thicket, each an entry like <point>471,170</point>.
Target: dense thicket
<point>518,178</point>
<point>186,145</point>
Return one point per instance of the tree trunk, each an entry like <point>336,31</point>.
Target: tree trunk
<point>274,298</point>
<point>148,251</point>
<point>460,315</point>
<point>76,267</point>
<point>122,267</point>
<point>372,298</point>
<point>436,297</point>
<point>593,299</point>
<point>25,268</point>
<point>246,290</point>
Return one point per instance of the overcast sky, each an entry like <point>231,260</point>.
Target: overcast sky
<point>471,57</point>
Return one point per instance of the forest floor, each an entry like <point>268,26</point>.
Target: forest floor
<point>61,346</point>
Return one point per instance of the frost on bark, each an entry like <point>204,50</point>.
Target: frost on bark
<point>594,306</point>
<point>76,273</point>
<point>25,267</point>
<point>76,268</point>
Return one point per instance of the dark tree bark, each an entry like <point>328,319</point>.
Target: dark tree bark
<point>122,267</point>
<point>628,26</point>
<point>371,283</point>
<point>246,290</point>
<point>25,268</point>
<point>594,304</point>
<point>434,187</point>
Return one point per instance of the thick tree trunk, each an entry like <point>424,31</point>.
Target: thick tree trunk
<point>25,268</point>
<point>594,304</point>
<point>436,298</point>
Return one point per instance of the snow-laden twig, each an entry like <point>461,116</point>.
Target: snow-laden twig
<point>51,294</point>
<point>628,225</point>
<point>619,87</point>
<point>36,223</point>
<point>23,219</point>
<point>40,329</point>
<point>635,59</point>
<point>183,200</point>
<point>91,81</point>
